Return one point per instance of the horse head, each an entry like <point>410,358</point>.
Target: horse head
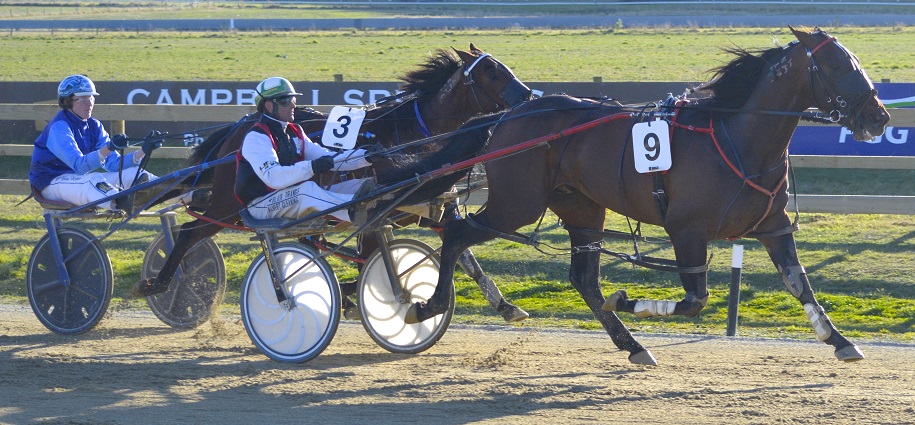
<point>493,84</point>
<point>840,87</point>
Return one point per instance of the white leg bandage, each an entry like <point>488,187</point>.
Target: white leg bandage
<point>820,321</point>
<point>654,308</point>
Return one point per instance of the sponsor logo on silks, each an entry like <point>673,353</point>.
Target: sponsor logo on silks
<point>905,102</point>
<point>103,187</point>
<point>268,165</point>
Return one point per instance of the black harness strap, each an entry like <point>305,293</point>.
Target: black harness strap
<point>659,194</point>
<point>654,263</point>
<point>514,237</point>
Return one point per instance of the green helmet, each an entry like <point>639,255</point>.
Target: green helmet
<point>273,88</point>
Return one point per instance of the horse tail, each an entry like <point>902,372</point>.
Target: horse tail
<point>464,143</point>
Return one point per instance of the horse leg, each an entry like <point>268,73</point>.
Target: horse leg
<point>584,273</point>
<point>691,249</point>
<point>578,211</point>
<point>457,237</point>
<point>783,252</point>
<point>510,312</point>
<point>188,236</point>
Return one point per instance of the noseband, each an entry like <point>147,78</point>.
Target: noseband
<point>853,86</point>
<point>513,93</point>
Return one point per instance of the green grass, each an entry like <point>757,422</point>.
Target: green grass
<point>860,267</point>
<point>675,54</point>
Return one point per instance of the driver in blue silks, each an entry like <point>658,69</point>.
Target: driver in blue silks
<point>74,144</point>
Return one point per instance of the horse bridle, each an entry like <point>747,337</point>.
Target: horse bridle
<point>853,86</point>
<point>513,93</point>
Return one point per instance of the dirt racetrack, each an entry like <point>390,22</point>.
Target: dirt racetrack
<point>132,369</point>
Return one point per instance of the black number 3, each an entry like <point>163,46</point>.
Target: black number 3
<point>344,121</point>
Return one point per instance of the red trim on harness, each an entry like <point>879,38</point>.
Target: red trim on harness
<point>216,222</point>
<point>529,144</point>
<point>711,132</point>
<point>825,42</point>
<point>237,162</point>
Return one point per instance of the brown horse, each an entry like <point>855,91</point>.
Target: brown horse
<point>727,179</point>
<point>442,94</point>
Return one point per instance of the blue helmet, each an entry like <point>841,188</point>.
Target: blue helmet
<point>79,85</point>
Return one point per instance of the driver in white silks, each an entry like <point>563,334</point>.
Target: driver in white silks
<point>276,161</point>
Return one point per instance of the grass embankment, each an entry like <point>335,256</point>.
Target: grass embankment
<point>675,54</point>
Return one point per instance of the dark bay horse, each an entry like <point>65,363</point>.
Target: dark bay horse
<point>728,176</point>
<point>444,92</point>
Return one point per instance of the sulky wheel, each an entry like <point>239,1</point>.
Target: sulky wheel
<point>383,315</point>
<point>300,333</point>
<point>79,306</point>
<point>197,289</point>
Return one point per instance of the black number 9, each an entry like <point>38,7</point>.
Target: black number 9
<point>653,146</point>
<point>344,121</point>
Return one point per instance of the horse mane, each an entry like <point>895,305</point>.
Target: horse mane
<point>733,83</point>
<point>431,75</point>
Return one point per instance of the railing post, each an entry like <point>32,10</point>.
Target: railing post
<point>734,293</point>
<point>118,127</point>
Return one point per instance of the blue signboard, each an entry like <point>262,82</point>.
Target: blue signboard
<point>835,140</point>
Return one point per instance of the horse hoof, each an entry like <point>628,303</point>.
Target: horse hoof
<point>514,314</point>
<point>352,313</point>
<point>643,357</point>
<point>611,302</point>
<point>849,353</point>
<point>148,287</point>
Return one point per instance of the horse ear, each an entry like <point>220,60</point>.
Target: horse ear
<point>474,49</point>
<point>804,37</point>
<point>465,57</point>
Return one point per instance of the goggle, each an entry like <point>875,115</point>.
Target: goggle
<point>285,101</point>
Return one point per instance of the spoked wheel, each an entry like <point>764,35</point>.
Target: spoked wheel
<point>383,315</point>
<point>300,333</point>
<point>196,291</point>
<point>79,306</point>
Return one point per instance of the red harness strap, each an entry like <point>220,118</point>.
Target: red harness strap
<point>216,222</point>
<point>710,130</point>
<point>823,43</point>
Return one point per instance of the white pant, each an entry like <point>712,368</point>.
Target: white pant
<point>81,189</point>
<point>305,198</point>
